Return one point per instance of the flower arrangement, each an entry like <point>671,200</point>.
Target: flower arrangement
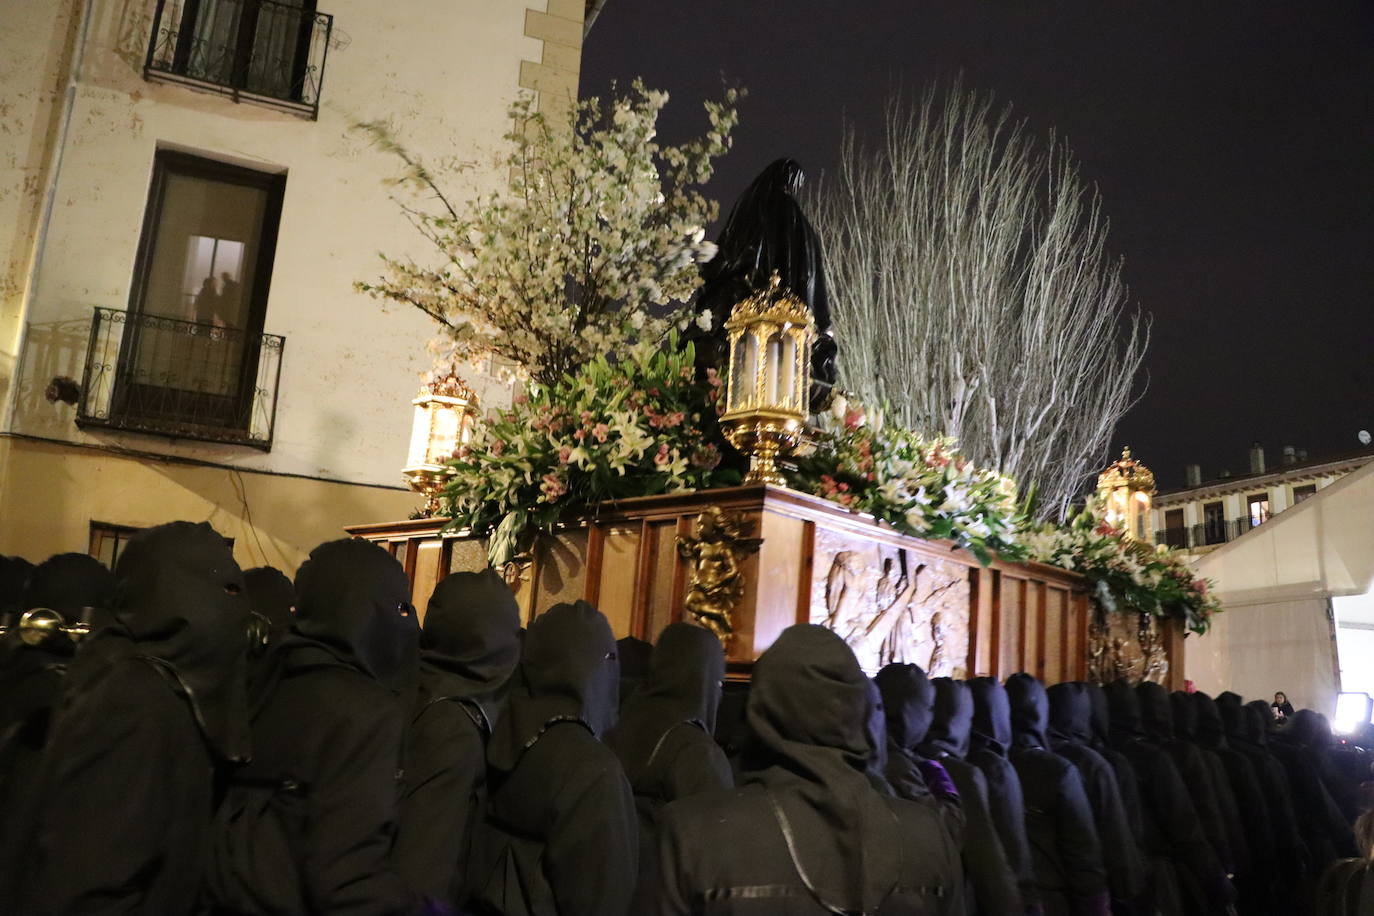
<point>592,248</point>
<point>921,487</point>
<point>1126,574</point>
<point>608,431</point>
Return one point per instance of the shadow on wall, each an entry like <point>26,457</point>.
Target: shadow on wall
<point>51,349</point>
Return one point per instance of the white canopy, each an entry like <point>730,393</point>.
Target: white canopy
<point>1277,584</point>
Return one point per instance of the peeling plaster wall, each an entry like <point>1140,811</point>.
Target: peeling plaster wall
<point>441,71</point>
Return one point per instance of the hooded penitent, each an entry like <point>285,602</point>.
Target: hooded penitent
<point>807,712</point>
<point>989,741</point>
<point>1059,820</point>
<point>353,605</point>
<point>634,655</point>
<point>272,599</point>
<point>153,708</point>
<point>468,648</point>
<point>908,705</point>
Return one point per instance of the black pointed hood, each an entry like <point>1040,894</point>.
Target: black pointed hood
<point>991,716</point>
<point>879,744</point>
<point>273,598</point>
<point>14,578</point>
<point>1071,713</point>
<point>908,702</point>
<point>75,585</point>
<point>1030,711</point>
<point>1211,732</point>
<point>682,684</point>
<point>635,657</point>
<point>1184,713</point>
<point>1123,704</point>
<point>470,641</point>
<point>1257,721</point>
<point>1233,717</point>
<point>568,673</point>
<point>1101,716</point>
<point>353,604</point>
<point>1156,712</point>
<point>951,722</point>
<point>807,710</point>
<point>179,603</point>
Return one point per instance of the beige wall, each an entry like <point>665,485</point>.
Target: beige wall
<point>50,493</point>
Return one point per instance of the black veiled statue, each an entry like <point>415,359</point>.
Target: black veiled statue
<point>767,231</point>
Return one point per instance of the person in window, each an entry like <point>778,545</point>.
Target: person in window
<point>469,646</point>
<point>1283,710</point>
<point>559,837</point>
<point>207,305</point>
<point>807,832</point>
<point>152,718</point>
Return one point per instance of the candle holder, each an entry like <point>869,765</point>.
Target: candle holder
<point>768,378</point>
<point>445,412</point>
<point>1126,489</point>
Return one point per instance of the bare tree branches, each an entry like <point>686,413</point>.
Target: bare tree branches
<point>975,294</point>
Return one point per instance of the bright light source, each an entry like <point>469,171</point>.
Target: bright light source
<point>1352,711</point>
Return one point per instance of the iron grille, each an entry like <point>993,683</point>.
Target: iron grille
<point>186,379</point>
<point>262,51</point>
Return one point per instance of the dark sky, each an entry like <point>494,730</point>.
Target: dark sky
<point>1232,142</point>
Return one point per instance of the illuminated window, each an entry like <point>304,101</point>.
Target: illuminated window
<point>1259,509</point>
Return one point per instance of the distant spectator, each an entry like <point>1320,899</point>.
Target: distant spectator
<point>1282,708</point>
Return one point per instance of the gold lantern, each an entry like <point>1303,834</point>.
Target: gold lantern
<point>445,411</point>
<point>769,378</point>
<point>1126,490</point>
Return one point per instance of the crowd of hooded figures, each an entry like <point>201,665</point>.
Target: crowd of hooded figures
<point>224,742</point>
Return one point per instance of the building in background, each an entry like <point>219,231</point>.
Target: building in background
<point>183,211</point>
<point>1204,515</point>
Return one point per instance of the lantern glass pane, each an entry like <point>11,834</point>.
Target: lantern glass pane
<point>773,391</point>
<point>743,372</point>
<point>443,438</point>
<point>419,436</point>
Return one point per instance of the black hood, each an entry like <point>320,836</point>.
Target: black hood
<point>1184,713</point>
<point>635,656</point>
<point>470,641</point>
<point>568,673</point>
<point>807,710</point>
<point>1211,733</point>
<point>879,745</point>
<point>1071,713</point>
<point>1258,721</point>
<point>908,703</point>
<point>179,602</point>
<point>1310,729</point>
<point>1123,704</point>
<point>1156,711</point>
<point>72,584</point>
<point>273,598</point>
<point>683,684</point>
<point>991,716</point>
<point>14,578</point>
<point>1030,711</point>
<point>1233,717</point>
<point>353,602</point>
<point>1101,719</point>
<point>951,720</point>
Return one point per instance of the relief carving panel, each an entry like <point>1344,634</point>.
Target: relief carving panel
<point>891,605</point>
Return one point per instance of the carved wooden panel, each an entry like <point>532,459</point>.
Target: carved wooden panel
<point>891,604</point>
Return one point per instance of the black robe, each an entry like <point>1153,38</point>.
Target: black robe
<point>1172,826</point>
<point>1069,732</point>
<point>989,742</point>
<point>1059,819</point>
<point>807,833</point>
<point>152,717</point>
<point>664,736</point>
<point>560,830</point>
<point>330,718</point>
<point>990,881</point>
<point>469,646</point>
<point>1323,827</point>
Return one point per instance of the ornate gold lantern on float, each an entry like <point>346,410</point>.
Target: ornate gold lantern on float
<point>445,411</point>
<point>769,378</point>
<point>1126,489</point>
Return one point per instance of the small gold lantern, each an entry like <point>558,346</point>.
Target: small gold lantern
<point>769,378</point>
<point>445,411</point>
<point>1126,489</point>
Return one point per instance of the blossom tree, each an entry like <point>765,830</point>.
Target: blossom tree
<point>591,249</point>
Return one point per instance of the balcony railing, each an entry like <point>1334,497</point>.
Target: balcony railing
<point>1205,535</point>
<point>184,379</point>
<point>264,51</point>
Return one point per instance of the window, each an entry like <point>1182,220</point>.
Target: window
<point>1175,535</point>
<point>108,541</point>
<point>1258,509</point>
<point>271,51</point>
<point>1214,523</point>
<point>190,353</point>
<point>1304,492</point>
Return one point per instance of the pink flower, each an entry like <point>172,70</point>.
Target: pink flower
<point>580,435</point>
<point>674,419</point>
<point>714,378</point>
<point>600,431</point>
<point>552,487</point>
<point>520,399</point>
<point>1200,586</point>
<point>853,418</point>
<point>564,454</point>
<point>497,447</point>
<point>586,415</point>
<point>662,457</point>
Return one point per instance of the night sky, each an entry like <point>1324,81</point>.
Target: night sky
<point>1232,142</point>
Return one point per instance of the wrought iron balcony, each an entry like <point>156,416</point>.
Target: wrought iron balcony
<point>1210,534</point>
<point>185,379</point>
<point>266,51</point>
